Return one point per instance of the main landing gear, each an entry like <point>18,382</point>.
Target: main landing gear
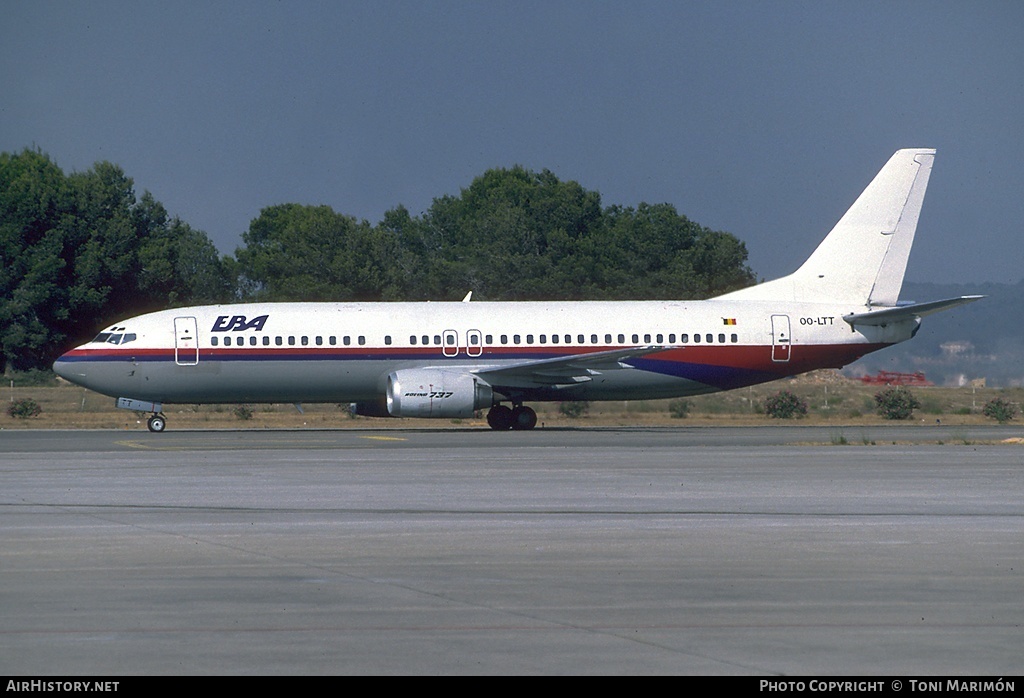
<point>157,423</point>
<point>517,418</point>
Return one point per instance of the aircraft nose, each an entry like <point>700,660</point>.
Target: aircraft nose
<point>69,369</point>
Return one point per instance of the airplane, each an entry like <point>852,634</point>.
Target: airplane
<point>454,359</point>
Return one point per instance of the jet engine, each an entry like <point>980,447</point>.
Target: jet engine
<point>431,392</point>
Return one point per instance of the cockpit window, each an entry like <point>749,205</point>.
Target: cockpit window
<point>115,338</point>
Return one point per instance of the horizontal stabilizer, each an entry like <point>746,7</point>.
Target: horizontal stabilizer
<point>906,312</point>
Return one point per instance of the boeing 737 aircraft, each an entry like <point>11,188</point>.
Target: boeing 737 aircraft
<point>452,359</point>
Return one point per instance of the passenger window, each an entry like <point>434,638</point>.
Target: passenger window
<point>437,339</point>
<point>266,341</point>
<point>696,338</point>
<point>319,341</point>
<point>593,339</point>
<point>607,339</point>
<point>529,339</point>
<point>647,339</point>
<point>213,341</point>
<point>362,340</point>
<point>291,341</point>
<point>488,339</point>
<point>622,339</point>
<point>426,340</point>
<point>346,340</point>
<point>412,340</point>
<point>504,339</point>
<point>332,340</point>
<point>387,339</point>
<point>734,338</point>
<point>721,339</point>
<point>710,338</point>
<point>252,341</point>
<point>515,338</point>
<point>661,339</point>
<point>305,341</point>
<point>544,339</point>
<point>636,339</point>
<point>278,341</point>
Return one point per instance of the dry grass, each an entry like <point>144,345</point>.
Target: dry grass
<point>831,399</point>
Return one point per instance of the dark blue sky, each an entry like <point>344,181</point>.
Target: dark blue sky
<point>764,119</point>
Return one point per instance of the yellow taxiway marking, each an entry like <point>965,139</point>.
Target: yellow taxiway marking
<point>384,438</point>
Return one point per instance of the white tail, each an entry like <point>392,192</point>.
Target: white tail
<point>864,258</point>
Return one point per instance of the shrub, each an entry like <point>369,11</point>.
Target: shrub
<point>574,409</point>
<point>785,405</point>
<point>1000,410</point>
<point>896,402</point>
<point>243,412</point>
<point>679,409</point>
<point>23,409</point>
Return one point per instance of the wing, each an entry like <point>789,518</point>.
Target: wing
<point>564,370</point>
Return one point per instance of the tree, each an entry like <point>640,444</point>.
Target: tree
<point>896,402</point>
<point>78,252</point>
<point>311,253</point>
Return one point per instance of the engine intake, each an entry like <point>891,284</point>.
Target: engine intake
<point>436,393</point>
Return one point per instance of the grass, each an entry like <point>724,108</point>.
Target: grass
<point>831,400</point>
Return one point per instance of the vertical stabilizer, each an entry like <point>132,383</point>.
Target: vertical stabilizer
<point>864,258</point>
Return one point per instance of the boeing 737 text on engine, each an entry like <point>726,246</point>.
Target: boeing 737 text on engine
<point>448,360</point>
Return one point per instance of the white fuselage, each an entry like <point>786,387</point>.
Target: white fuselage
<point>344,352</point>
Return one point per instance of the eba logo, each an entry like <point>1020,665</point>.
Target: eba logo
<point>239,323</point>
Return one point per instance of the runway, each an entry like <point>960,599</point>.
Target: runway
<point>789,551</point>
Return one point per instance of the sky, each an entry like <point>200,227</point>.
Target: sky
<point>763,119</point>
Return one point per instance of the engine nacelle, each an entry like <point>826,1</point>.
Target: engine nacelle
<point>432,392</point>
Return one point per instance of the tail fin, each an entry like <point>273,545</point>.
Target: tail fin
<point>864,258</point>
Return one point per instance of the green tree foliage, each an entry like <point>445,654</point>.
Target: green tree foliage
<point>513,234</point>
<point>1001,410</point>
<point>311,253</point>
<point>785,405</point>
<point>78,252</point>
<point>24,409</point>
<point>679,408</point>
<point>574,409</point>
<point>896,402</point>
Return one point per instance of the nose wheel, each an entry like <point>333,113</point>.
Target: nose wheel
<point>157,423</point>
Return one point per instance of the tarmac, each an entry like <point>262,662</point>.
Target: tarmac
<point>766,551</point>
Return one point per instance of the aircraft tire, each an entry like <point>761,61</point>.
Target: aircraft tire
<point>157,423</point>
<point>523,418</point>
<point>499,418</point>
